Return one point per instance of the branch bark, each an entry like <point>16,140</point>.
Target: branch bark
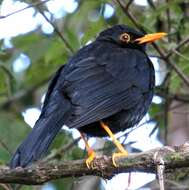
<point>173,157</point>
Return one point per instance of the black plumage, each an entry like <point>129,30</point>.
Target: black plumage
<point>109,80</point>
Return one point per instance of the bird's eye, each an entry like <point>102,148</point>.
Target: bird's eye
<point>125,37</point>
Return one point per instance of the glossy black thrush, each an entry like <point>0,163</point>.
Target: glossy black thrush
<point>106,87</point>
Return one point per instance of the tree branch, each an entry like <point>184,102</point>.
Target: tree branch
<point>173,157</point>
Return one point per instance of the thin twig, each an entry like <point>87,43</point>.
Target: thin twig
<point>20,10</point>
<point>128,4</point>
<point>37,4</point>
<point>59,153</point>
<point>7,72</point>
<point>9,79</point>
<point>5,147</point>
<point>167,106</point>
<point>182,56</point>
<point>182,43</point>
<point>130,16</point>
<point>20,95</point>
<point>151,3</point>
<point>68,46</point>
<point>168,20</point>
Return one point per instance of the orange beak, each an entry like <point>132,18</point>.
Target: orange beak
<point>150,37</point>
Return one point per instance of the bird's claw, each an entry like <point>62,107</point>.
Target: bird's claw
<point>118,155</point>
<point>90,159</point>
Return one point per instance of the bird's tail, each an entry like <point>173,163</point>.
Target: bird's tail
<point>55,112</point>
<point>36,143</point>
<point>40,138</point>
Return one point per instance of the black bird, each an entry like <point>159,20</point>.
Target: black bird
<point>106,87</point>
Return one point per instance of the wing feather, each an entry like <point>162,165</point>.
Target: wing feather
<point>99,87</point>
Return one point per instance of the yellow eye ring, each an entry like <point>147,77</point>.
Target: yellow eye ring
<point>125,37</point>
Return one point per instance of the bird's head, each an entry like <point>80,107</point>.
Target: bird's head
<point>129,37</point>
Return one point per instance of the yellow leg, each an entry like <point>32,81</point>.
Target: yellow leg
<point>122,152</point>
<point>90,151</point>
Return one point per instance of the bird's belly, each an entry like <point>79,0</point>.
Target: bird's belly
<point>95,130</point>
<point>116,123</point>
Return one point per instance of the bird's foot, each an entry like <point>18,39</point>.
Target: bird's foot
<point>90,151</point>
<point>90,159</point>
<point>122,152</point>
<point>118,155</point>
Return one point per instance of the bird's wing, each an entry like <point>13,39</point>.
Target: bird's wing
<point>99,87</point>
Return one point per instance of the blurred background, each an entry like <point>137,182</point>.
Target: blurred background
<point>37,37</point>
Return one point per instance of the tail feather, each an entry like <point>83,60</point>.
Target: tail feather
<point>36,143</point>
<point>46,128</point>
